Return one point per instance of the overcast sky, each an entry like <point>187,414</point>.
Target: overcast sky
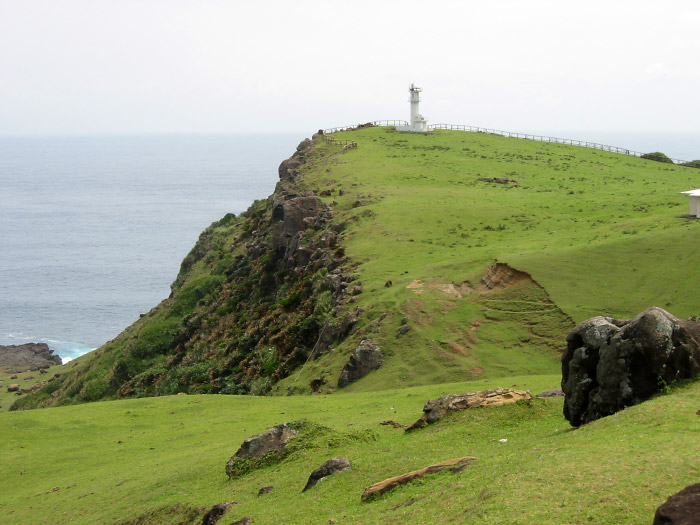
<point>134,66</point>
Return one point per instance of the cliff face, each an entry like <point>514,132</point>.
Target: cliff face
<point>247,307</point>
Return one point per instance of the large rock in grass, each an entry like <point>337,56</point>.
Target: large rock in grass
<point>610,364</point>
<point>365,358</point>
<point>273,440</point>
<point>435,409</point>
<point>683,508</point>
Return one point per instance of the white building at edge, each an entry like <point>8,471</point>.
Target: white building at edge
<point>693,202</point>
<point>417,124</point>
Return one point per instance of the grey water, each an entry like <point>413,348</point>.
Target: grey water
<point>93,228</point>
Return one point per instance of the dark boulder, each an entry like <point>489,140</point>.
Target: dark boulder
<point>683,508</point>
<point>365,358</point>
<point>610,364</point>
<point>330,467</point>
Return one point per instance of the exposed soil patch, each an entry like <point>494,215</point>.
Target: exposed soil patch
<point>416,286</point>
<point>452,289</point>
<point>499,276</point>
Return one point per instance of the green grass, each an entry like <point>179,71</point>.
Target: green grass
<point>601,233</point>
<point>164,458</point>
<point>24,380</point>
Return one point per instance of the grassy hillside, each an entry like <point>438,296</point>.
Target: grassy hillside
<point>161,460</point>
<point>600,233</point>
<point>420,224</point>
<point>464,283</point>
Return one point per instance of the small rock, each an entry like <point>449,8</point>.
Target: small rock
<point>392,423</point>
<point>330,467</point>
<point>550,393</point>
<point>242,521</point>
<point>403,330</point>
<point>13,387</point>
<point>214,514</point>
<point>265,490</point>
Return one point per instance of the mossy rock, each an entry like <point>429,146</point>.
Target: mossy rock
<point>310,436</point>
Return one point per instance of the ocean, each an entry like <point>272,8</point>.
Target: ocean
<point>93,228</point>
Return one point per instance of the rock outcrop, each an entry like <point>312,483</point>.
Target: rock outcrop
<point>384,486</point>
<point>610,364</point>
<point>274,440</point>
<point>293,214</point>
<point>330,467</point>
<point>29,356</point>
<point>682,508</point>
<point>365,358</point>
<point>435,409</point>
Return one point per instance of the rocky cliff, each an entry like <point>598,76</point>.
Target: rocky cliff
<point>254,298</point>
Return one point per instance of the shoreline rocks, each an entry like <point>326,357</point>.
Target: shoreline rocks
<point>29,356</point>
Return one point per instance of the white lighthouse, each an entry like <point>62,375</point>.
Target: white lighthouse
<point>417,124</point>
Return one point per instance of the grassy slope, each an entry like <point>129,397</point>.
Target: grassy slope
<point>109,462</point>
<point>438,224</point>
<point>602,233</point>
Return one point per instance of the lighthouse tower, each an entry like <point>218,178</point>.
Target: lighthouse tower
<point>417,124</point>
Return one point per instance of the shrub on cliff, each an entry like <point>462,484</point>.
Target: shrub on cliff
<point>658,157</point>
